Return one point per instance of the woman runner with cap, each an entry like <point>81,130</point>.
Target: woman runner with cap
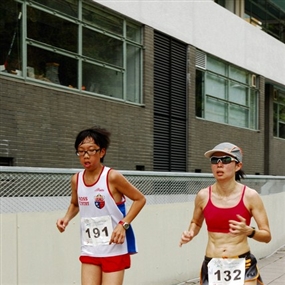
<point>227,207</point>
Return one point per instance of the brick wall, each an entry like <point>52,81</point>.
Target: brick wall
<point>204,135</point>
<point>39,125</point>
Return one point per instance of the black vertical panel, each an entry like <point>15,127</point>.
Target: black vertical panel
<point>161,103</point>
<point>178,106</point>
<point>169,104</point>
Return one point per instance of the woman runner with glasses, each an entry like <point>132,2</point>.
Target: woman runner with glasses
<point>99,194</point>
<point>227,207</point>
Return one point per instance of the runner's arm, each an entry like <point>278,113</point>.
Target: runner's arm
<point>262,233</point>
<point>73,208</point>
<point>197,220</point>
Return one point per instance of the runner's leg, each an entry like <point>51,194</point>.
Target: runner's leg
<point>253,282</point>
<point>90,274</point>
<point>113,278</point>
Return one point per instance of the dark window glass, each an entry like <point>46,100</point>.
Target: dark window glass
<point>134,33</point>
<point>199,93</point>
<point>98,18</point>
<point>282,120</point>
<point>52,30</point>
<point>51,67</point>
<point>72,43</point>
<point>11,33</point>
<point>102,80</point>
<point>282,130</point>
<point>279,114</point>
<point>275,119</point>
<point>102,48</point>
<point>68,7</point>
<point>133,73</point>
<point>269,16</point>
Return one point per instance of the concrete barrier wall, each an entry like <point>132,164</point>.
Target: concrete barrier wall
<point>33,252</point>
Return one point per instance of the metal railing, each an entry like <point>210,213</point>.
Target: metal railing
<point>28,189</point>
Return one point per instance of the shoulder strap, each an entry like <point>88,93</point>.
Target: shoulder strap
<point>243,191</point>
<point>210,192</point>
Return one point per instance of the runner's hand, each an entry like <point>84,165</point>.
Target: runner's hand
<point>238,227</point>
<point>61,225</point>
<point>118,235</point>
<point>186,237</point>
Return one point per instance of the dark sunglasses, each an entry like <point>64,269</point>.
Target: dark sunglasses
<point>222,159</point>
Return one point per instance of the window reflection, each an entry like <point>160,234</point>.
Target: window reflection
<point>49,29</point>
<point>72,43</point>
<point>238,93</point>
<point>267,16</point>
<point>133,73</point>
<point>102,80</point>
<point>11,33</point>
<point>68,7</point>
<point>282,130</point>
<point>216,86</point>
<point>134,33</point>
<point>241,113</point>
<point>224,95</point>
<point>51,67</point>
<point>102,48</point>
<point>279,114</point>
<point>216,110</point>
<point>100,19</point>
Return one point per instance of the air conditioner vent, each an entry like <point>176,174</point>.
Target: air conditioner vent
<point>201,59</point>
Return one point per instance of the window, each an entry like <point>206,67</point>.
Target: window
<point>268,15</point>
<point>76,44</point>
<point>225,93</point>
<point>11,37</point>
<point>232,5</point>
<point>279,113</point>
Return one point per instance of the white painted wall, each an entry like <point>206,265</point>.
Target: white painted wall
<point>211,28</point>
<point>33,252</point>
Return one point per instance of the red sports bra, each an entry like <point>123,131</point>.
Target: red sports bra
<point>217,219</point>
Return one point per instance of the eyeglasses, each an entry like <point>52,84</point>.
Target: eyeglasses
<point>89,152</point>
<point>222,159</point>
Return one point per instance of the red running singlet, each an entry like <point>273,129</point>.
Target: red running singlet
<point>217,219</point>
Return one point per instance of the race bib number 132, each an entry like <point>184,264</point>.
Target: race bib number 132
<point>96,231</point>
<point>226,271</point>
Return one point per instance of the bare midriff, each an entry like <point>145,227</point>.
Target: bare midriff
<point>226,245</point>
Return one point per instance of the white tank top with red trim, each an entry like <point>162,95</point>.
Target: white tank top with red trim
<point>99,215</point>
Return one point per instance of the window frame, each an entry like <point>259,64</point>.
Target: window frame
<point>277,105</point>
<point>128,40</point>
<point>206,94</point>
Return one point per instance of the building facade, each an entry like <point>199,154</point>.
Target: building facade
<point>168,79</point>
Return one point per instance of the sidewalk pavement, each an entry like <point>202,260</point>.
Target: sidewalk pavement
<point>272,269</point>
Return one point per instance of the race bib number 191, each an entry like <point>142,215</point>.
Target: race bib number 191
<point>226,271</point>
<point>97,230</point>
